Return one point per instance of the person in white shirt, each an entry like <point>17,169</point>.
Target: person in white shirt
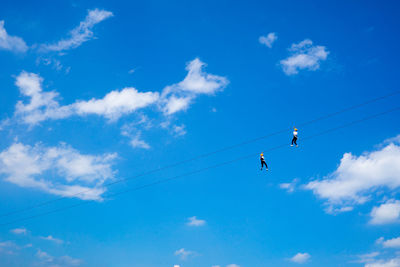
<point>294,140</point>
<point>263,162</point>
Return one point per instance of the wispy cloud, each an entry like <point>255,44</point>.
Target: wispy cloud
<point>7,244</point>
<point>390,243</point>
<point>8,247</point>
<point>27,166</point>
<point>300,258</point>
<point>183,254</point>
<point>52,62</point>
<point>268,40</point>
<point>174,104</point>
<point>368,257</point>
<point>19,231</point>
<point>80,34</point>
<point>11,43</point>
<point>137,142</point>
<point>66,260</point>
<point>392,140</point>
<point>229,265</point>
<point>193,221</point>
<point>42,105</point>
<point>52,239</point>
<point>394,262</point>
<point>178,97</point>
<point>289,187</point>
<point>304,55</point>
<point>44,256</point>
<point>131,131</point>
<point>179,130</point>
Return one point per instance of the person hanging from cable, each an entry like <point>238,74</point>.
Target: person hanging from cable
<point>294,140</point>
<point>263,161</point>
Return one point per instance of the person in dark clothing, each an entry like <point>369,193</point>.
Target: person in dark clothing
<point>263,162</point>
<point>294,140</point>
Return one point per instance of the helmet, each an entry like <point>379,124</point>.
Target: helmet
<point>262,154</point>
<point>295,129</point>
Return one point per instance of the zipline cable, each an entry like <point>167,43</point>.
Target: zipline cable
<point>161,181</point>
<point>205,155</point>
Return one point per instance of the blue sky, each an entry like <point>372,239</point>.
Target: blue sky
<point>94,92</point>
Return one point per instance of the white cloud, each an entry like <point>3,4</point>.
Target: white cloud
<point>386,213</point>
<point>390,243</point>
<point>136,142</point>
<point>130,131</point>
<point>369,257</point>
<point>70,171</point>
<point>232,265</point>
<point>8,247</point>
<point>52,239</point>
<point>68,261</point>
<point>395,262</point>
<point>174,104</point>
<point>199,82</point>
<point>53,62</point>
<point>334,210</point>
<point>289,187</point>
<point>184,254</point>
<point>179,130</point>
<point>19,231</point>
<point>40,105</point>
<point>44,256</point>
<point>300,257</point>
<point>304,55</point>
<point>44,106</point>
<point>357,177</point>
<point>117,103</point>
<point>193,221</point>
<point>57,261</point>
<point>7,244</point>
<point>11,43</point>
<point>395,140</point>
<point>80,34</point>
<point>4,123</point>
<point>179,96</point>
<point>268,40</point>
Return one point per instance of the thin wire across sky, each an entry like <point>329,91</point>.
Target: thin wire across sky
<point>205,155</point>
<point>165,180</point>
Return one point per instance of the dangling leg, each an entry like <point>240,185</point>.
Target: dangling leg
<point>261,165</point>
<point>266,166</point>
<point>293,140</point>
